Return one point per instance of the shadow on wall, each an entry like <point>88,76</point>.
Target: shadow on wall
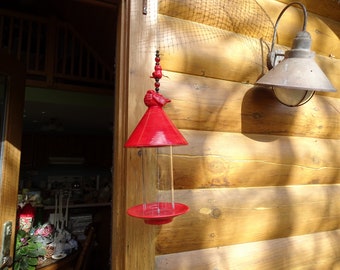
<point>262,113</point>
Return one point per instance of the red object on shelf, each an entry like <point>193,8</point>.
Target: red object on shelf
<point>155,128</point>
<point>158,213</point>
<point>26,217</point>
<point>27,211</point>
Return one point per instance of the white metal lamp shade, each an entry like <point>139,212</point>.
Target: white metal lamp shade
<point>297,76</point>
<point>297,71</point>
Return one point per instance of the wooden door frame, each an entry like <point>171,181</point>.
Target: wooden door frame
<point>133,242</point>
<point>11,141</point>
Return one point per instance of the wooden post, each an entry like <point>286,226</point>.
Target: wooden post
<point>133,242</point>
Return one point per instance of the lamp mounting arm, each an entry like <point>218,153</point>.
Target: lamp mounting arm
<point>280,15</point>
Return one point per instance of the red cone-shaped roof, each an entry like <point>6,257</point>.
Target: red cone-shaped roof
<point>155,128</point>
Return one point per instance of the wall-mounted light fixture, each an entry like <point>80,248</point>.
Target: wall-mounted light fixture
<point>294,76</point>
<point>155,135</point>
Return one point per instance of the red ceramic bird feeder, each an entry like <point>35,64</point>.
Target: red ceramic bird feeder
<point>155,135</point>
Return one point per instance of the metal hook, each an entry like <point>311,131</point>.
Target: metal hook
<point>145,7</point>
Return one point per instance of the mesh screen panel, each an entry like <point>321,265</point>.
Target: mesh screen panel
<point>213,19</point>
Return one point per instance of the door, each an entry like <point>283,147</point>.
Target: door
<point>12,90</point>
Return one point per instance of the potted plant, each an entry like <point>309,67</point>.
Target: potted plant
<point>27,251</point>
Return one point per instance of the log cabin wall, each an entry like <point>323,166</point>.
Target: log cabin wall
<point>262,180</point>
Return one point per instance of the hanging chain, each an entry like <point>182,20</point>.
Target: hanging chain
<point>157,74</point>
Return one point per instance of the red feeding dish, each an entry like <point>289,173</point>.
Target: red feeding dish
<point>158,213</point>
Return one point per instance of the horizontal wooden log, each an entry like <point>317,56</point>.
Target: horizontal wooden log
<point>258,20</point>
<point>207,51</point>
<point>222,217</point>
<point>313,251</point>
<point>216,105</point>
<point>326,8</point>
<point>207,172</point>
<point>203,103</point>
<point>311,152</point>
<point>324,32</point>
<point>219,159</point>
<point>222,14</point>
<point>197,49</point>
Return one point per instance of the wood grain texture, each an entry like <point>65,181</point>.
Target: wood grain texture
<point>327,8</point>
<point>140,238</point>
<point>311,152</point>
<point>119,239</point>
<point>132,241</point>
<point>210,52</point>
<point>222,217</point>
<point>216,53</point>
<point>255,174</point>
<point>312,251</point>
<point>258,20</point>
<point>219,172</point>
<point>13,91</point>
<point>324,32</point>
<point>201,103</point>
<point>223,15</point>
<point>220,159</point>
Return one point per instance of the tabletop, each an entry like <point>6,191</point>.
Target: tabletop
<point>64,263</point>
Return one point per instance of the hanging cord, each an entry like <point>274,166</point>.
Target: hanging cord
<point>172,179</point>
<point>142,153</point>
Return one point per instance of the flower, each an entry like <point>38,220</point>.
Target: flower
<point>46,230</point>
<point>44,233</point>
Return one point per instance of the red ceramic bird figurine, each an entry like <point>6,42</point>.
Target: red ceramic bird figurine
<point>157,74</point>
<point>152,98</point>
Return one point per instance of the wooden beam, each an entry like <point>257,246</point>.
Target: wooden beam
<point>257,21</point>
<point>119,240</point>
<point>221,159</point>
<point>202,103</point>
<point>216,53</point>
<point>229,216</point>
<point>246,18</point>
<point>327,8</point>
<point>324,32</point>
<point>313,251</point>
<point>275,149</point>
<point>210,52</point>
<point>12,99</point>
<point>133,242</point>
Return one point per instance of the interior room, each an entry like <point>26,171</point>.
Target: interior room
<point>68,49</point>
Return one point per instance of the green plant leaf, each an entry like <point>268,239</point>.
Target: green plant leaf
<point>32,261</point>
<point>27,251</point>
